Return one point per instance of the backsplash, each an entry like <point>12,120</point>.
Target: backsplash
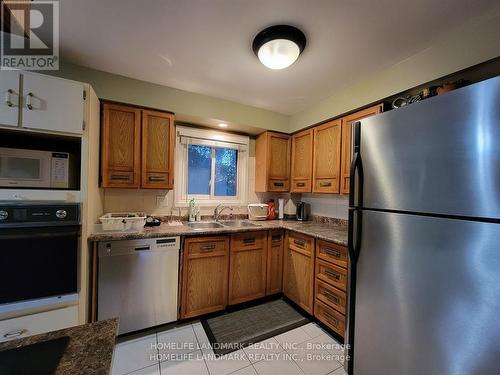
<point>333,205</point>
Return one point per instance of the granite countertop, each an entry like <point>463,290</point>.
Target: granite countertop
<point>89,351</point>
<point>335,231</point>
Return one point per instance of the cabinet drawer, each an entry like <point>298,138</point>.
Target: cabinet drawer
<point>301,186</point>
<point>331,274</point>
<point>327,185</point>
<point>332,253</point>
<point>248,241</point>
<point>209,246</point>
<point>117,178</point>
<point>38,323</point>
<point>330,317</point>
<point>278,185</point>
<point>301,242</point>
<point>331,296</point>
<point>155,180</point>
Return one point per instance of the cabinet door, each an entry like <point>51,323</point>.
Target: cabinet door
<point>345,170</point>
<point>53,104</point>
<point>274,262</point>
<point>158,137</point>
<point>120,143</point>
<point>298,273</point>
<point>302,153</point>
<point>9,89</point>
<point>204,275</point>
<point>247,269</point>
<point>278,162</point>
<point>326,163</point>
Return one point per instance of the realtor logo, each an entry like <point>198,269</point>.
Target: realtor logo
<point>30,38</point>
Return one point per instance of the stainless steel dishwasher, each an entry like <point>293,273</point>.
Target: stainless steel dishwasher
<point>138,282</point>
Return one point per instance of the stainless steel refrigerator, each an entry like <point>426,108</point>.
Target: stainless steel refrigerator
<point>424,237</point>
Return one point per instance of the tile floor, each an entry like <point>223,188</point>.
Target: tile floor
<point>307,350</point>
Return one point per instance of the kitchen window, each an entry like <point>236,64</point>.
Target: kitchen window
<point>211,167</point>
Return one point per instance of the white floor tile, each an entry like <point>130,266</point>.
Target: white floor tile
<point>330,345</point>
<point>339,371</point>
<point>292,338</point>
<point>151,370</point>
<point>201,336</point>
<point>175,343</point>
<point>228,363</point>
<point>134,355</point>
<point>282,365</point>
<point>193,365</point>
<point>313,360</point>
<point>245,371</point>
<point>262,350</point>
<point>313,330</point>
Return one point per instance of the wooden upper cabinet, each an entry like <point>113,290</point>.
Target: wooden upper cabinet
<point>137,147</point>
<point>345,170</point>
<point>158,139</point>
<point>272,162</point>
<point>302,155</point>
<point>120,154</point>
<point>326,157</point>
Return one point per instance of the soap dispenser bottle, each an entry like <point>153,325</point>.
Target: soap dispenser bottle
<point>192,210</point>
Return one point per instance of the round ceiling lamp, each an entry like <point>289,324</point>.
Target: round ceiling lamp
<point>277,47</point>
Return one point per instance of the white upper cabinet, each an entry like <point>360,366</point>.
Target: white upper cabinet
<point>9,99</point>
<point>52,104</point>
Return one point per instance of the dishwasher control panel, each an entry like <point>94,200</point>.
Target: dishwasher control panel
<point>121,247</point>
<point>167,242</point>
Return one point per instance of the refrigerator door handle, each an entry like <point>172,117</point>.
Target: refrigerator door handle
<point>356,195</point>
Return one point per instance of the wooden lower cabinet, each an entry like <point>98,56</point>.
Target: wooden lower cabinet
<point>298,270</point>
<point>205,264</point>
<point>330,304</point>
<point>274,262</point>
<point>248,267</point>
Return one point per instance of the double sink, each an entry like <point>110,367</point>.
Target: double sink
<point>221,224</point>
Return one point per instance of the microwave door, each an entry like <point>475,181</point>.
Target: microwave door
<point>24,168</point>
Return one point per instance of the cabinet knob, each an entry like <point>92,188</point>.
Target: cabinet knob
<point>28,101</point>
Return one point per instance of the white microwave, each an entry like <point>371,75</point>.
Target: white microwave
<point>35,169</point>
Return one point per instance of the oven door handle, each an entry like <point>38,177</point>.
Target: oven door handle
<point>10,235</point>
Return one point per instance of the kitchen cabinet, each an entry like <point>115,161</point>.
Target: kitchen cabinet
<point>247,269</point>
<point>330,305</point>
<point>272,162</point>
<point>274,262</point>
<point>298,270</point>
<point>46,103</point>
<point>326,157</point>
<point>345,170</point>
<point>158,139</point>
<point>120,146</point>
<point>205,264</point>
<point>137,147</point>
<point>302,154</point>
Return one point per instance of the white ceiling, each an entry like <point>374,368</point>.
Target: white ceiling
<point>204,46</point>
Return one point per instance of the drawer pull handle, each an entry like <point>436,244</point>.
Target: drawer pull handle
<point>120,177</point>
<point>299,243</point>
<point>300,184</point>
<point>209,247</point>
<point>333,253</point>
<point>278,184</point>
<point>332,275</point>
<point>331,297</point>
<point>156,178</point>
<point>249,241</point>
<point>8,100</point>
<point>16,333</point>
<point>276,238</point>
<point>28,101</point>
<point>325,184</point>
<point>331,319</point>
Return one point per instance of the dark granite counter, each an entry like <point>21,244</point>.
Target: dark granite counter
<point>89,351</point>
<point>334,231</point>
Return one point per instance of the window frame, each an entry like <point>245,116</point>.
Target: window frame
<point>187,135</point>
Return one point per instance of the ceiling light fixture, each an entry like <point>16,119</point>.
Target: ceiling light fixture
<point>277,47</point>
<point>222,125</point>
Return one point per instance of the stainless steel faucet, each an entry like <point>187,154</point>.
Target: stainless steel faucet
<point>218,210</point>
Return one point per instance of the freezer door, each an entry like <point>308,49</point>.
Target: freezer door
<point>441,155</point>
<point>427,296</point>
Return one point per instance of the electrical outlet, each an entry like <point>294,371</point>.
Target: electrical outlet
<point>161,201</point>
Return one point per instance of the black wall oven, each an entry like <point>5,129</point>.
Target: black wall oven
<point>39,248</point>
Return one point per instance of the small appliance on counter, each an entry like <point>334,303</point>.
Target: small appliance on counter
<point>303,210</point>
<point>281,209</point>
<point>123,221</point>
<point>290,210</point>
<point>257,211</point>
<point>271,210</point>
<point>152,222</point>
